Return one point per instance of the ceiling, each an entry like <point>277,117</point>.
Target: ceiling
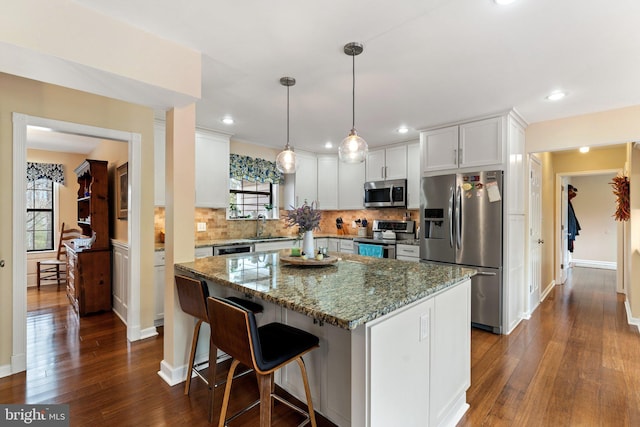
<point>425,62</point>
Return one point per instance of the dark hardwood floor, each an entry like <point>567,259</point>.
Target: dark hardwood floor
<point>576,362</point>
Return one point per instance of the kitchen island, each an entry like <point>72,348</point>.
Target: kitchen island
<point>394,335</point>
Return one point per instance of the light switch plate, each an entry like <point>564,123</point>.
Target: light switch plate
<point>202,226</point>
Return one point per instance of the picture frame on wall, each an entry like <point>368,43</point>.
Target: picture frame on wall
<point>122,196</point>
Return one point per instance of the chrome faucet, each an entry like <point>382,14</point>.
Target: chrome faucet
<point>261,222</point>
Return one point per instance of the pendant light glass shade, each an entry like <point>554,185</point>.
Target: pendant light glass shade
<point>286,160</point>
<point>353,149</point>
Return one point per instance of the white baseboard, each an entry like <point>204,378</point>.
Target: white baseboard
<point>547,290</point>
<point>148,333</point>
<point>171,375</point>
<point>630,319</point>
<point>5,371</point>
<point>605,265</point>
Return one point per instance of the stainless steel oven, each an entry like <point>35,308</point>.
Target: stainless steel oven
<point>382,244</point>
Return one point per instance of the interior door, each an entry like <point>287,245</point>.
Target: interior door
<point>535,232</point>
<point>564,230</point>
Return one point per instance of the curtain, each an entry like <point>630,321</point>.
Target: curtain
<point>51,171</point>
<point>254,170</point>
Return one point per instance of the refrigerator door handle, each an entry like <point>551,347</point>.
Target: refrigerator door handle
<point>459,218</point>
<point>451,216</point>
<point>484,273</point>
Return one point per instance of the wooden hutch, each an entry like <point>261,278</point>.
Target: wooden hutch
<point>89,265</point>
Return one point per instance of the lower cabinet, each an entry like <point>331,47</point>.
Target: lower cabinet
<point>346,246</point>
<point>120,288</point>
<point>408,252</point>
<point>329,375</point>
<point>158,286</point>
<point>89,280</point>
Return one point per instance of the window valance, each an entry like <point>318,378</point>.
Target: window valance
<point>254,170</point>
<point>51,171</point>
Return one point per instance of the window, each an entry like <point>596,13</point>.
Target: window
<point>39,215</point>
<point>249,199</point>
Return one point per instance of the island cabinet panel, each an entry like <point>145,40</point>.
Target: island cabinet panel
<point>451,355</point>
<point>328,368</point>
<point>399,350</point>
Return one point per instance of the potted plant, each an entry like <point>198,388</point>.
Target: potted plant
<point>269,210</point>
<point>307,218</point>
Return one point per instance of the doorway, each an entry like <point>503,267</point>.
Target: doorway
<point>19,319</point>
<point>596,243</point>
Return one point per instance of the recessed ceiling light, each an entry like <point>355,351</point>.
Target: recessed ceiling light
<point>584,149</point>
<point>503,2</point>
<point>403,129</point>
<point>556,95</point>
<point>328,145</point>
<point>227,120</point>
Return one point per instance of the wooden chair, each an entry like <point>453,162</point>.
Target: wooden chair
<point>193,294</point>
<point>56,269</point>
<point>265,349</point>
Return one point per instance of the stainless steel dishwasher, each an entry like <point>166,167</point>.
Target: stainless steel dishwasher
<point>232,249</point>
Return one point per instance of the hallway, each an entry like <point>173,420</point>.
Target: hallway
<point>574,363</point>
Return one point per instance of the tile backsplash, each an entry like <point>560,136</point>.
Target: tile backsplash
<point>218,227</point>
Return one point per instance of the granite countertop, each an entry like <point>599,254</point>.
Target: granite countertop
<point>346,294</point>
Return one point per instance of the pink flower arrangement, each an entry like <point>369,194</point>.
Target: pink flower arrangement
<point>306,217</point>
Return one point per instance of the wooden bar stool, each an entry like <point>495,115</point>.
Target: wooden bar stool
<point>193,295</point>
<point>265,349</point>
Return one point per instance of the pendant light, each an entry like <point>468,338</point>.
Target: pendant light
<point>353,149</point>
<point>286,160</point>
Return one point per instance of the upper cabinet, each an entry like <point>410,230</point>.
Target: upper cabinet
<point>306,181</point>
<point>387,163</point>
<point>327,182</point>
<point>212,169</point>
<point>413,175</point>
<point>469,145</point>
<point>351,178</point>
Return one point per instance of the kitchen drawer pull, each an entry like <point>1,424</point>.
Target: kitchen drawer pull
<point>484,273</point>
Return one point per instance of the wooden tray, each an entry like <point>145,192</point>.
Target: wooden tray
<point>296,260</point>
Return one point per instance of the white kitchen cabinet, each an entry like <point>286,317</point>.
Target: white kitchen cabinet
<point>346,246</point>
<point>351,178</point>
<point>413,175</point>
<point>325,368</point>
<point>203,252</point>
<point>159,145</point>
<point>387,163</point>
<point>408,252</point>
<point>327,182</point>
<point>306,180</point>
<point>469,145</point>
<point>120,288</point>
<point>158,286</point>
<point>450,362</point>
<point>212,169</point>
<point>333,245</point>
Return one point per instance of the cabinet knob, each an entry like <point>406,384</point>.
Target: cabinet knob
<point>1,263</point>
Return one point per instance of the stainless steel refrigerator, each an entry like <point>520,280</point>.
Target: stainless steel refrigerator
<point>461,223</point>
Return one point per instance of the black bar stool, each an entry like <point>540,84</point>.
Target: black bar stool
<point>193,295</point>
<point>265,349</point>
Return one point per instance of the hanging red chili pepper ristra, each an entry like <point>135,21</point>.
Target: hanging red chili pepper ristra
<point>620,186</point>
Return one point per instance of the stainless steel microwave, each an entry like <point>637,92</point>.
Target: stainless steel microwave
<point>385,194</point>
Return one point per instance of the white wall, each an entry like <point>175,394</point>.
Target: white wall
<point>594,207</point>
